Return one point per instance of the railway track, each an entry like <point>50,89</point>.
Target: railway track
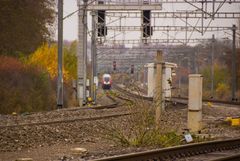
<point>229,158</point>
<point>132,94</point>
<point>114,104</point>
<point>191,151</point>
<point>65,127</point>
<point>69,120</point>
<point>181,100</point>
<point>210,100</point>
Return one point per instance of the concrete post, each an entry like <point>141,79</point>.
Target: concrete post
<point>81,54</point>
<point>166,80</point>
<point>158,86</point>
<point>80,68</point>
<point>87,88</point>
<point>195,102</point>
<point>145,76</point>
<point>150,79</point>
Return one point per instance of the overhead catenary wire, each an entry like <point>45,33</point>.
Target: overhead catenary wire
<point>74,12</point>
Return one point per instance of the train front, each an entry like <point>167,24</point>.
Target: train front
<point>106,82</point>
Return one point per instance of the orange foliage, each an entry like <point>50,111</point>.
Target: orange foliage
<point>24,88</point>
<point>46,57</point>
<point>10,64</point>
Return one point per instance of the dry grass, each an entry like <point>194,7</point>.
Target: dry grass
<point>139,129</point>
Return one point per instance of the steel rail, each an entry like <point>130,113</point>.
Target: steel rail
<point>112,105</point>
<point>175,98</point>
<point>69,120</point>
<point>228,158</point>
<point>212,100</point>
<point>176,152</point>
<point>132,94</point>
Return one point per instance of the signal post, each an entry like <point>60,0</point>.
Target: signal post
<point>99,7</point>
<point>158,86</point>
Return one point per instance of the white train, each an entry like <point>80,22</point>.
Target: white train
<point>106,81</point>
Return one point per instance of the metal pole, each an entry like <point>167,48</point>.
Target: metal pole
<point>158,86</point>
<point>95,63</point>
<point>196,58</point>
<point>179,75</point>
<point>60,58</point>
<point>234,70</point>
<point>194,62</point>
<point>186,30</point>
<point>93,57</point>
<point>202,17</point>
<point>85,49</point>
<point>212,67</point>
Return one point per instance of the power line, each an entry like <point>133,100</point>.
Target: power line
<point>71,14</point>
<point>192,15</point>
<point>169,28</point>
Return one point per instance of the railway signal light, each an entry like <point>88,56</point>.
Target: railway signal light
<point>146,23</point>
<point>132,69</point>
<point>114,65</point>
<point>146,16</point>
<point>102,29</point>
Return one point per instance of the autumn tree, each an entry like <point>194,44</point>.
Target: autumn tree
<point>70,59</point>
<point>25,25</point>
<point>221,79</point>
<point>46,57</point>
<point>24,88</point>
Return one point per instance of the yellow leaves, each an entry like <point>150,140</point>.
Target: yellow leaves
<point>46,58</point>
<point>222,87</point>
<point>223,90</point>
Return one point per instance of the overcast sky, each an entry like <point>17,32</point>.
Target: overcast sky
<point>70,24</point>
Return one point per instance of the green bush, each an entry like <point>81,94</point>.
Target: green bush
<point>24,88</point>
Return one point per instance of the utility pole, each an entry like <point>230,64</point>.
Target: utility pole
<point>158,99</point>
<point>234,70</point>
<point>93,57</point>
<point>186,32</point>
<point>202,18</point>
<point>194,62</point>
<point>85,49</point>
<point>212,66</point>
<point>81,53</point>
<point>179,75</point>
<point>60,57</point>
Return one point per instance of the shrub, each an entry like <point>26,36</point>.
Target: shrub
<point>139,128</point>
<point>45,57</point>
<point>24,88</point>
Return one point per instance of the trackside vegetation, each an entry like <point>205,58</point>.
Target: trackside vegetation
<point>28,83</point>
